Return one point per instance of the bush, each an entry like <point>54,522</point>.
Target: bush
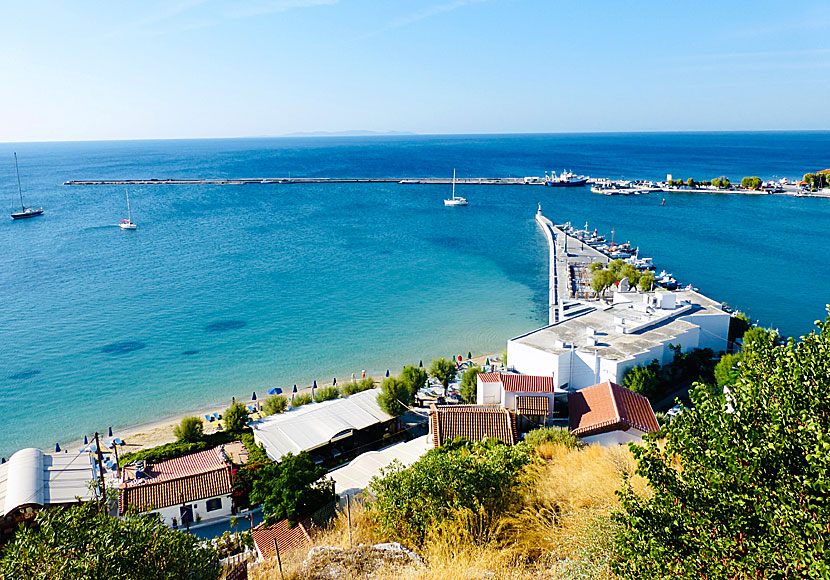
<point>469,384</point>
<point>236,418</point>
<point>394,397</point>
<point>363,384</point>
<point>300,400</point>
<point>180,449</point>
<point>726,371</point>
<point>326,394</point>
<point>190,430</point>
<point>555,435</point>
<point>409,503</point>
<point>275,404</point>
<point>643,379</point>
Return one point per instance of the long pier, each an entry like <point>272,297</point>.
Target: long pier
<point>287,180</point>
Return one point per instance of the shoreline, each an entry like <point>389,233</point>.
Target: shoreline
<point>160,431</point>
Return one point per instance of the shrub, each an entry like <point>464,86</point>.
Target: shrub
<point>643,379</point>
<point>394,396</point>
<point>555,435</point>
<point>363,384</point>
<point>275,404</point>
<point>300,400</point>
<point>726,371</point>
<point>190,430</point>
<point>326,394</point>
<point>236,418</point>
<point>469,384</point>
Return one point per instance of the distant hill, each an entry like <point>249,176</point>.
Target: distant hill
<point>353,133</point>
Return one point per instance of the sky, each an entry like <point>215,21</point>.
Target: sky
<point>161,69</point>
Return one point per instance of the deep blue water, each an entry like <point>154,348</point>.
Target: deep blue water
<point>224,290</point>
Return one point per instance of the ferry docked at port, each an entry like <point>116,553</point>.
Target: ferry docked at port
<point>565,179</point>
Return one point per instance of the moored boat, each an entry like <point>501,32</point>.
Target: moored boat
<point>25,212</point>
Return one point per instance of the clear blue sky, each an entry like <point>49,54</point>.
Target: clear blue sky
<point>90,69</point>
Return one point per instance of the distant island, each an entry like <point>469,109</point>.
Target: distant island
<point>352,133</point>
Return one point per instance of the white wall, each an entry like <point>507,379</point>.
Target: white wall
<point>614,438</point>
<point>532,361</point>
<point>714,329</point>
<point>487,393</point>
<point>199,509</point>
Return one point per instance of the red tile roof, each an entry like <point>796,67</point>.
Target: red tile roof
<point>181,480</point>
<point>473,422</point>
<point>520,383</point>
<point>537,406</point>
<point>609,407</point>
<point>287,538</point>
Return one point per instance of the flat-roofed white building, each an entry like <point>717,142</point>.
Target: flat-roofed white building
<point>602,341</point>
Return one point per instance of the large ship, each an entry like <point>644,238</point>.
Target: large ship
<point>564,179</point>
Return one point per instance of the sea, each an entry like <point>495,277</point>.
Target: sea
<point>226,291</point>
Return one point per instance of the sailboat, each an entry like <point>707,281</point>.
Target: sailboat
<point>127,224</point>
<point>455,201</point>
<point>26,212</point>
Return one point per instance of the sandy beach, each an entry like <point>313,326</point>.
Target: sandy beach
<point>161,431</point>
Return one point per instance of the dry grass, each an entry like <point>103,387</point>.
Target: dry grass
<point>562,529</point>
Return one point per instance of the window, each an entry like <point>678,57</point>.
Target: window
<point>214,504</point>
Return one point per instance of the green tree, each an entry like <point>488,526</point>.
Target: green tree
<point>77,542</point>
<point>739,487</point>
<point>444,370</point>
<point>630,272</point>
<point>394,397</point>
<point>810,178</point>
<point>716,183</point>
<point>236,417</point>
<point>646,281</point>
<point>469,384</point>
<point>190,430</point>
<point>644,379</point>
<point>477,478</point>
<point>301,399</point>
<point>363,384</point>
<point>275,404</point>
<point>757,336</point>
<point>690,182</point>
<point>601,280</point>
<point>726,371</point>
<point>751,182</point>
<point>596,266</point>
<point>415,378</point>
<point>292,489</point>
<point>326,394</point>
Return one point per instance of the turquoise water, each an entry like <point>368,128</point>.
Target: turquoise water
<point>225,290</point>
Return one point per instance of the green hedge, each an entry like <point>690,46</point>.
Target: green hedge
<point>180,449</point>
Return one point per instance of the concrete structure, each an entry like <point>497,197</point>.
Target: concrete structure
<point>602,341</point>
<point>182,490</point>
<point>32,479</point>
<point>609,415</point>
<point>343,425</point>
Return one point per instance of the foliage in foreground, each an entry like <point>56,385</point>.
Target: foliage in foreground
<point>741,485</point>
<point>79,543</point>
<point>292,489</point>
<point>480,477</point>
<point>557,435</point>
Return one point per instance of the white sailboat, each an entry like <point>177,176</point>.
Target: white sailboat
<point>25,212</point>
<point>127,224</point>
<point>455,201</point>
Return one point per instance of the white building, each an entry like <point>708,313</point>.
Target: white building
<point>610,415</point>
<point>183,490</point>
<point>32,479</point>
<point>601,342</point>
<point>527,395</point>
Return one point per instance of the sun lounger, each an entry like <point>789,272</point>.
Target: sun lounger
<point>118,441</point>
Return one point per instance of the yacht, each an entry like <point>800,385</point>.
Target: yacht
<point>455,201</point>
<point>127,224</point>
<point>25,212</point>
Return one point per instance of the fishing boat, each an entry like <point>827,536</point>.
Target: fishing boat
<point>26,212</point>
<point>127,224</point>
<point>564,179</point>
<point>455,201</point>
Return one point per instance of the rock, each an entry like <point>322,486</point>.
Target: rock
<point>358,563</point>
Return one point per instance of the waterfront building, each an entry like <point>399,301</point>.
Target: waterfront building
<point>31,480</point>
<point>330,429</point>
<point>602,341</point>
<point>530,397</point>
<point>183,491</point>
<point>609,415</point>
<point>472,422</point>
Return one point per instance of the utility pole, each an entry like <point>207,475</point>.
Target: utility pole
<point>101,473</point>
<point>279,561</point>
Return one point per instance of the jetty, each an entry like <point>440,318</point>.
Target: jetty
<point>289,180</point>
<point>570,260</point>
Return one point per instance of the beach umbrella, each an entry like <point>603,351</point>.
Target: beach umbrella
<point>469,355</point>
<point>2,460</point>
<point>314,386</point>
<point>295,388</point>
<point>387,373</point>
<point>334,382</point>
<point>57,448</point>
<point>421,364</point>
<point>253,397</point>
<point>233,400</point>
<point>487,362</point>
<point>460,358</point>
<point>110,432</point>
<point>352,377</point>
<point>363,376</point>
<point>274,391</point>
<point>86,440</point>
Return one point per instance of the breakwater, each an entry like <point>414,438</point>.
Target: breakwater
<point>287,180</point>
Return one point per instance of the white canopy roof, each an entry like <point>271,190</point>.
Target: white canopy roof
<point>354,477</point>
<point>32,477</point>
<point>316,424</point>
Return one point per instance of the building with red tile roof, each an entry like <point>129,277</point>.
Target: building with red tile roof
<point>182,490</point>
<point>528,396</point>
<point>473,422</point>
<point>609,414</point>
<point>287,538</point>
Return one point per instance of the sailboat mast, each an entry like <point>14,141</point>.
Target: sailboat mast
<point>19,189</point>
<point>129,213</point>
<point>453,183</point>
